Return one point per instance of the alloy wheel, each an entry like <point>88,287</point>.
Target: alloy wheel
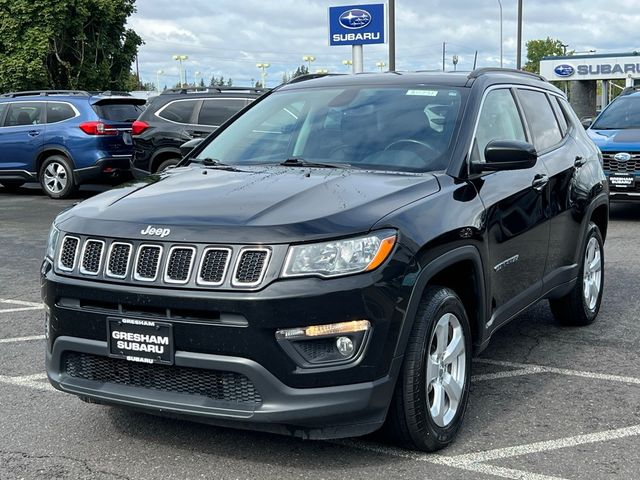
<point>55,177</point>
<point>592,274</point>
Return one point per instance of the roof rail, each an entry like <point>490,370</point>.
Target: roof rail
<point>44,93</point>
<point>630,90</point>
<point>211,89</point>
<point>311,76</point>
<point>481,71</point>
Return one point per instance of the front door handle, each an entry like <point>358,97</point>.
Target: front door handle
<point>33,133</point>
<point>539,182</point>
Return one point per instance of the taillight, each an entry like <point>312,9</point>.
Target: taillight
<point>138,127</point>
<point>98,128</point>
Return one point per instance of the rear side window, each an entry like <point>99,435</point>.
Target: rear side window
<point>27,113</point>
<point>58,112</point>
<point>559,115</point>
<point>218,110</point>
<point>542,122</point>
<point>179,111</point>
<point>499,120</point>
<point>3,109</point>
<point>118,112</point>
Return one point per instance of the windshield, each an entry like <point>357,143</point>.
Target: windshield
<point>622,113</point>
<point>382,128</point>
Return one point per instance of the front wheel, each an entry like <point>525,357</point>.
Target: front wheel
<point>582,304</point>
<point>172,162</point>
<point>433,388</point>
<point>56,177</point>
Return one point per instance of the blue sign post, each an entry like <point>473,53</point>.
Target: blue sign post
<point>357,25</point>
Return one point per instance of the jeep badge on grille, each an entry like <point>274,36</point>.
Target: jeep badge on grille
<point>155,231</point>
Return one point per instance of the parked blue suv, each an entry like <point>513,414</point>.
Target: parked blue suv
<point>616,132</point>
<point>65,138</point>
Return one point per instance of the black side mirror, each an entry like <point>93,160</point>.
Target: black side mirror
<point>187,147</point>
<point>506,155</point>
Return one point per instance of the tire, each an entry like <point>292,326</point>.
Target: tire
<point>11,185</point>
<point>167,163</point>
<point>581,306</point>
<point>413,420</point>
<point>56,177</point>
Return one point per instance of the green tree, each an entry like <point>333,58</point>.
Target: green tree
<point>301,70</point>
<point>67,44</point>
<point>537,49</point>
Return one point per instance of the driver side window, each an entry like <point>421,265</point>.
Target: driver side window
<point>499,120</point>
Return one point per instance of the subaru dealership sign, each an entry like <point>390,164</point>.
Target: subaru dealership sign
<point>591,67</point>
<point>356,24</point>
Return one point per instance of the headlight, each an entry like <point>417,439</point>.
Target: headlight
<point>340,257</point>
<point>52,242</point>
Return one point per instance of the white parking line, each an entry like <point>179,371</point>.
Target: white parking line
<point>22,339</point>
<point>506,374</point>
<point>30,381</point>
<point>562,371</point>
<point>21,309</point>
<point>21,302</point>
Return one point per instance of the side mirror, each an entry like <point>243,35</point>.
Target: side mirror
<point>187,147</point>
<point>586,122</point>
<point>506,155</point>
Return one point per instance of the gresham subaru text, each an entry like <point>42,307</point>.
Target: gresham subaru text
<point>327,263</point>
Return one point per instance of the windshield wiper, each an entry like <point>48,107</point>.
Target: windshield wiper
<point>301,162</point>
<point>214,163</point>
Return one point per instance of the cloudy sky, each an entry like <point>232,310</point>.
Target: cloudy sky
<point>225,37</point>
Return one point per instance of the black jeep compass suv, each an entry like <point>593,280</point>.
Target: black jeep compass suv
<point>329,262</point>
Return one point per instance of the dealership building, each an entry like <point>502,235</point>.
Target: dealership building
<point>583,73</point>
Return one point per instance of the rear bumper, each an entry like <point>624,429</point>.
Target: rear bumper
<point>106,170</point>
<point>325,412</point>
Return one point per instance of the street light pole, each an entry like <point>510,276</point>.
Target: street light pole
<point>455,62</point>
<point>309,59</point>
<point>501,41</point>
<point>347,63</point>
<point>519,46</point>
<point>263,67</point>
<point>392,35</point>
<point>180,59</point>
<point>158,73</point>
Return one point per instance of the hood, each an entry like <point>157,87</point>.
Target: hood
<point>269,204</point>
<point>616,140</point>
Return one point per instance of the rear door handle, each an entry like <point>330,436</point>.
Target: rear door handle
<point>579,161</point>
<point>539,182</point>
<point>33,133</point>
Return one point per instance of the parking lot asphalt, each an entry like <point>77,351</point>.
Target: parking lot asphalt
<point>547,402</point>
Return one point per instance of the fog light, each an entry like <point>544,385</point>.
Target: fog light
<point>344,346</point>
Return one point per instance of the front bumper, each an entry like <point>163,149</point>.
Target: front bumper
<point>326,412</point>
<point>106,170</point>
<point>322,402</point>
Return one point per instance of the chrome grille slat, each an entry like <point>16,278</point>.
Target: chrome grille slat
<point>213,266</point>
<point>118,261</point>
<point>613,165</point>
<point>147,263</point>
<point>165,263</point>
<point>250,267</point>
<point>91,258</point>
<point>179,264</point>
<point>68,253</point>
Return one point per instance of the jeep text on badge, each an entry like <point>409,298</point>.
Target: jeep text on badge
<point>357,239</point>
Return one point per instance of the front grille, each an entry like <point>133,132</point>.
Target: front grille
<point>92,257</point>
<point>179,265</point>
<point>147,263</point>
<point>118,263</point>
<point>166,263</point>
<point>216,385</point>
<point>612,165</point>
<point>68,252</point>
<point>251,266</point>
<point>214,266</point>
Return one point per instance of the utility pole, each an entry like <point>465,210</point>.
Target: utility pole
<point>392,35</point>
<point>519,47</point>
<point>444,50</point>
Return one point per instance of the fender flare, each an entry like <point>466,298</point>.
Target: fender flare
<point>162,151</point>
<point>52,149</point>
<point>435,266</point>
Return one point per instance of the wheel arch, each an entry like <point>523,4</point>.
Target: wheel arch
<point>461,270</point>
<point>600,216</point>
<point>49,151</point>
<point>162,155</point>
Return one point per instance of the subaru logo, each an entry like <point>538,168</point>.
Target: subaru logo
<point>622,157</point>
<point>564,70</point>
<point>355,19</point>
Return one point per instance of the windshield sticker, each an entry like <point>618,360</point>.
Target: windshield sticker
<point>426,93</point>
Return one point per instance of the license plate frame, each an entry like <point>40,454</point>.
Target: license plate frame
<point>622,180</point>
<point>154,340</point>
